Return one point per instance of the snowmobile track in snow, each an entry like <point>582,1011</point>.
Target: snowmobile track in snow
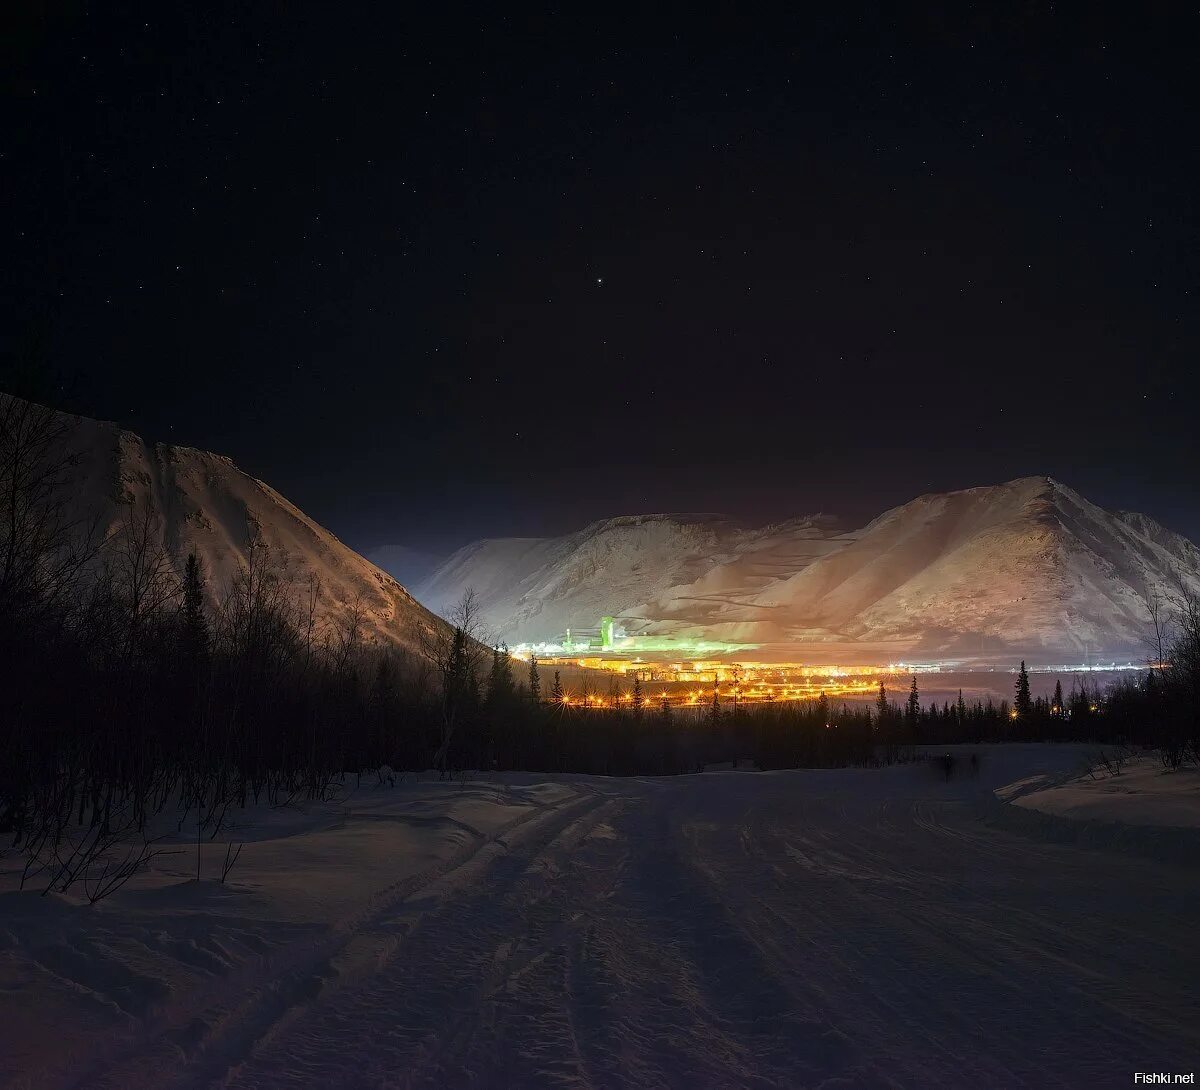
<point>849,928</point>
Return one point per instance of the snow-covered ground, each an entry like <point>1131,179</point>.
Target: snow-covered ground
<point>811,928</point>
<point>1136,790</point>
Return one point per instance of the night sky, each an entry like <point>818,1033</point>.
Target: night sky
<point>450,275</point>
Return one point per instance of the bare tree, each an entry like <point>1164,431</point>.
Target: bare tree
<point>260,621</point>
<point>43,549</point>
<point>456,651</point>
<point>1158,637</point>
<point>348,635</point>
<point>145,579</point>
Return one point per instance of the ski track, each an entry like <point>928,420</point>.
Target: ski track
<point>734,930</point>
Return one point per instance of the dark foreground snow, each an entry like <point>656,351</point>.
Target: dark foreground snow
<point>823,928</point>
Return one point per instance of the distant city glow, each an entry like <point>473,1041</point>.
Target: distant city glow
<point>689,672</point>
<point>610,646</point>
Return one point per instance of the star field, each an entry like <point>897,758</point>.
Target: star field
<point>443,275</point>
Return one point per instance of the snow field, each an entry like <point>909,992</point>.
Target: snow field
<point>810,928</point>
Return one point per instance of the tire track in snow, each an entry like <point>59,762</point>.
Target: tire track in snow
<point>791,929</point>
<point>209,1029</point>
<point>431,1010</point>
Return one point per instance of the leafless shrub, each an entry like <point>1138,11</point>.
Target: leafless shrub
<point>232,854</point>
<point>106,874</point>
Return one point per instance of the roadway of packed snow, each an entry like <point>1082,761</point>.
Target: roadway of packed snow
<point>835,928</point>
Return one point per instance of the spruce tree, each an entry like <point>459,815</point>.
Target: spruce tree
<point>638,699</point>
<point>912,711</point>
<point>961,709</point>
<point>1057,707</point>
<point>556,694</point>
<point>500,681</point>
<point>458,681</point>
<point>881,704</point>
<point>1023,704</point>
<point>535,682</point>
<point>195,622</point>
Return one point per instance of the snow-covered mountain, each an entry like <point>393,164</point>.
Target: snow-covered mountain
<point>1027,567</point>
<point>202,502</point>
<point>645,569</point>
<point>544,585</point>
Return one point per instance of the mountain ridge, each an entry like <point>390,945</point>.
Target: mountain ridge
<point>1029,564</point>
<point>202,501</point>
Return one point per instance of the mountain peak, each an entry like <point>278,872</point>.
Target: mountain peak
<point>1028,564</point>
<point>202,502</point>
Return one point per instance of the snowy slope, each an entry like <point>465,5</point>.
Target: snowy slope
<point>535,588</point>
<point>762,558</point>
<point>1137,790</point>
<point>206,504</point>
<point>1029,567</point>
